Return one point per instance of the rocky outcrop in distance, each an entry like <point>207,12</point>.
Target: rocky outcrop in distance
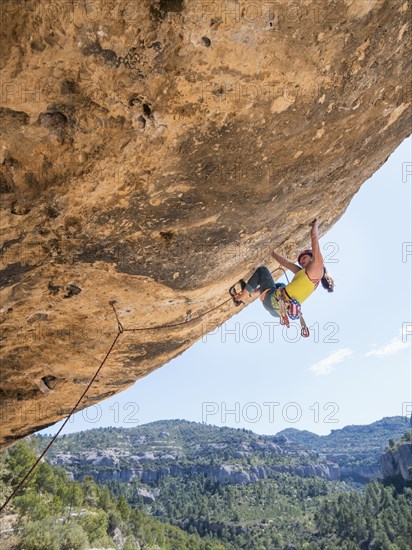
<point>397,463</point>
<point>234,474</point>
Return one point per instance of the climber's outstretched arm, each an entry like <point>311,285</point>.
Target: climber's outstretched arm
<point>315,268</point>
<point>286,263</point>
<point>314,236</point>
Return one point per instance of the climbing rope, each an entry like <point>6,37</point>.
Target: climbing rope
<point>26,477</point>
<point>120,330</point>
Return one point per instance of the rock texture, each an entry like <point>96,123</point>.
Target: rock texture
<point>232,474</point>
<point>398,462</point>
<point>153,152</point>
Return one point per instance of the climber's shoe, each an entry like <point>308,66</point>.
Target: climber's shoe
<point>233,292</point>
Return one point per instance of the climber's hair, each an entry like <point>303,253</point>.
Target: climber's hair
<point>327,282</point>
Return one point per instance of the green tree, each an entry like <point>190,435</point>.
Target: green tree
<point>90,491</point>
<point>130,544</point>
<point>31,504</point>
<point>114,520</point>
<point>5,489</point>
<point>39,535</point>
<point>95,524</point>
<point>104,499</point>
<point>21,459</point>
<point>74,495</point>
<point>73,537</point>
<point>45,481</point>
<point>123,508</point>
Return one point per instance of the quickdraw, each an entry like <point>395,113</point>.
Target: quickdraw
<point>288,308</point>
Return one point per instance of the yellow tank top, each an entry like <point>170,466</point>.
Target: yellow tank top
<point>301,287</point>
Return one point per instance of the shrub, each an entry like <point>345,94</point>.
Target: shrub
<point>130,544</point>
<point>40,535</point>
<point>73,537</point>
<point>95,524</point>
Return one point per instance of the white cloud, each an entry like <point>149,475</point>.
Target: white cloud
<point>396,344</point>
<point>325,365</point>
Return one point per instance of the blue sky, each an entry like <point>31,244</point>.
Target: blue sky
<point>354,369</point>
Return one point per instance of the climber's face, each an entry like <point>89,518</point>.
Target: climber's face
<point>305,260</point>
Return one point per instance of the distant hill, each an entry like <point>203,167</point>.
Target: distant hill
<point>178,447</point>
<point>355,437</point>
<point>229,455</point>
<point>356,448</point>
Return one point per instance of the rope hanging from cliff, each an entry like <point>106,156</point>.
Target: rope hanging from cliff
<point>26,477</point>
<point>120,330</point>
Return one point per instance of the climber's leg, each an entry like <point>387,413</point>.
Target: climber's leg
<point>261,278</point>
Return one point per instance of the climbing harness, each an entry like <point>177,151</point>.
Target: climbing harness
<point>288,308</point>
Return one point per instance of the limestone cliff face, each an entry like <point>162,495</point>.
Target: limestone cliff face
<point>124,464</point>
<point>233,474</point>
<point>398,462</point>
<point>154,152</point>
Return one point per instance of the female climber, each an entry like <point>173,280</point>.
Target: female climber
<point>285,300</point>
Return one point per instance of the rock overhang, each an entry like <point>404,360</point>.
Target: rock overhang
<point>153,153</point>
